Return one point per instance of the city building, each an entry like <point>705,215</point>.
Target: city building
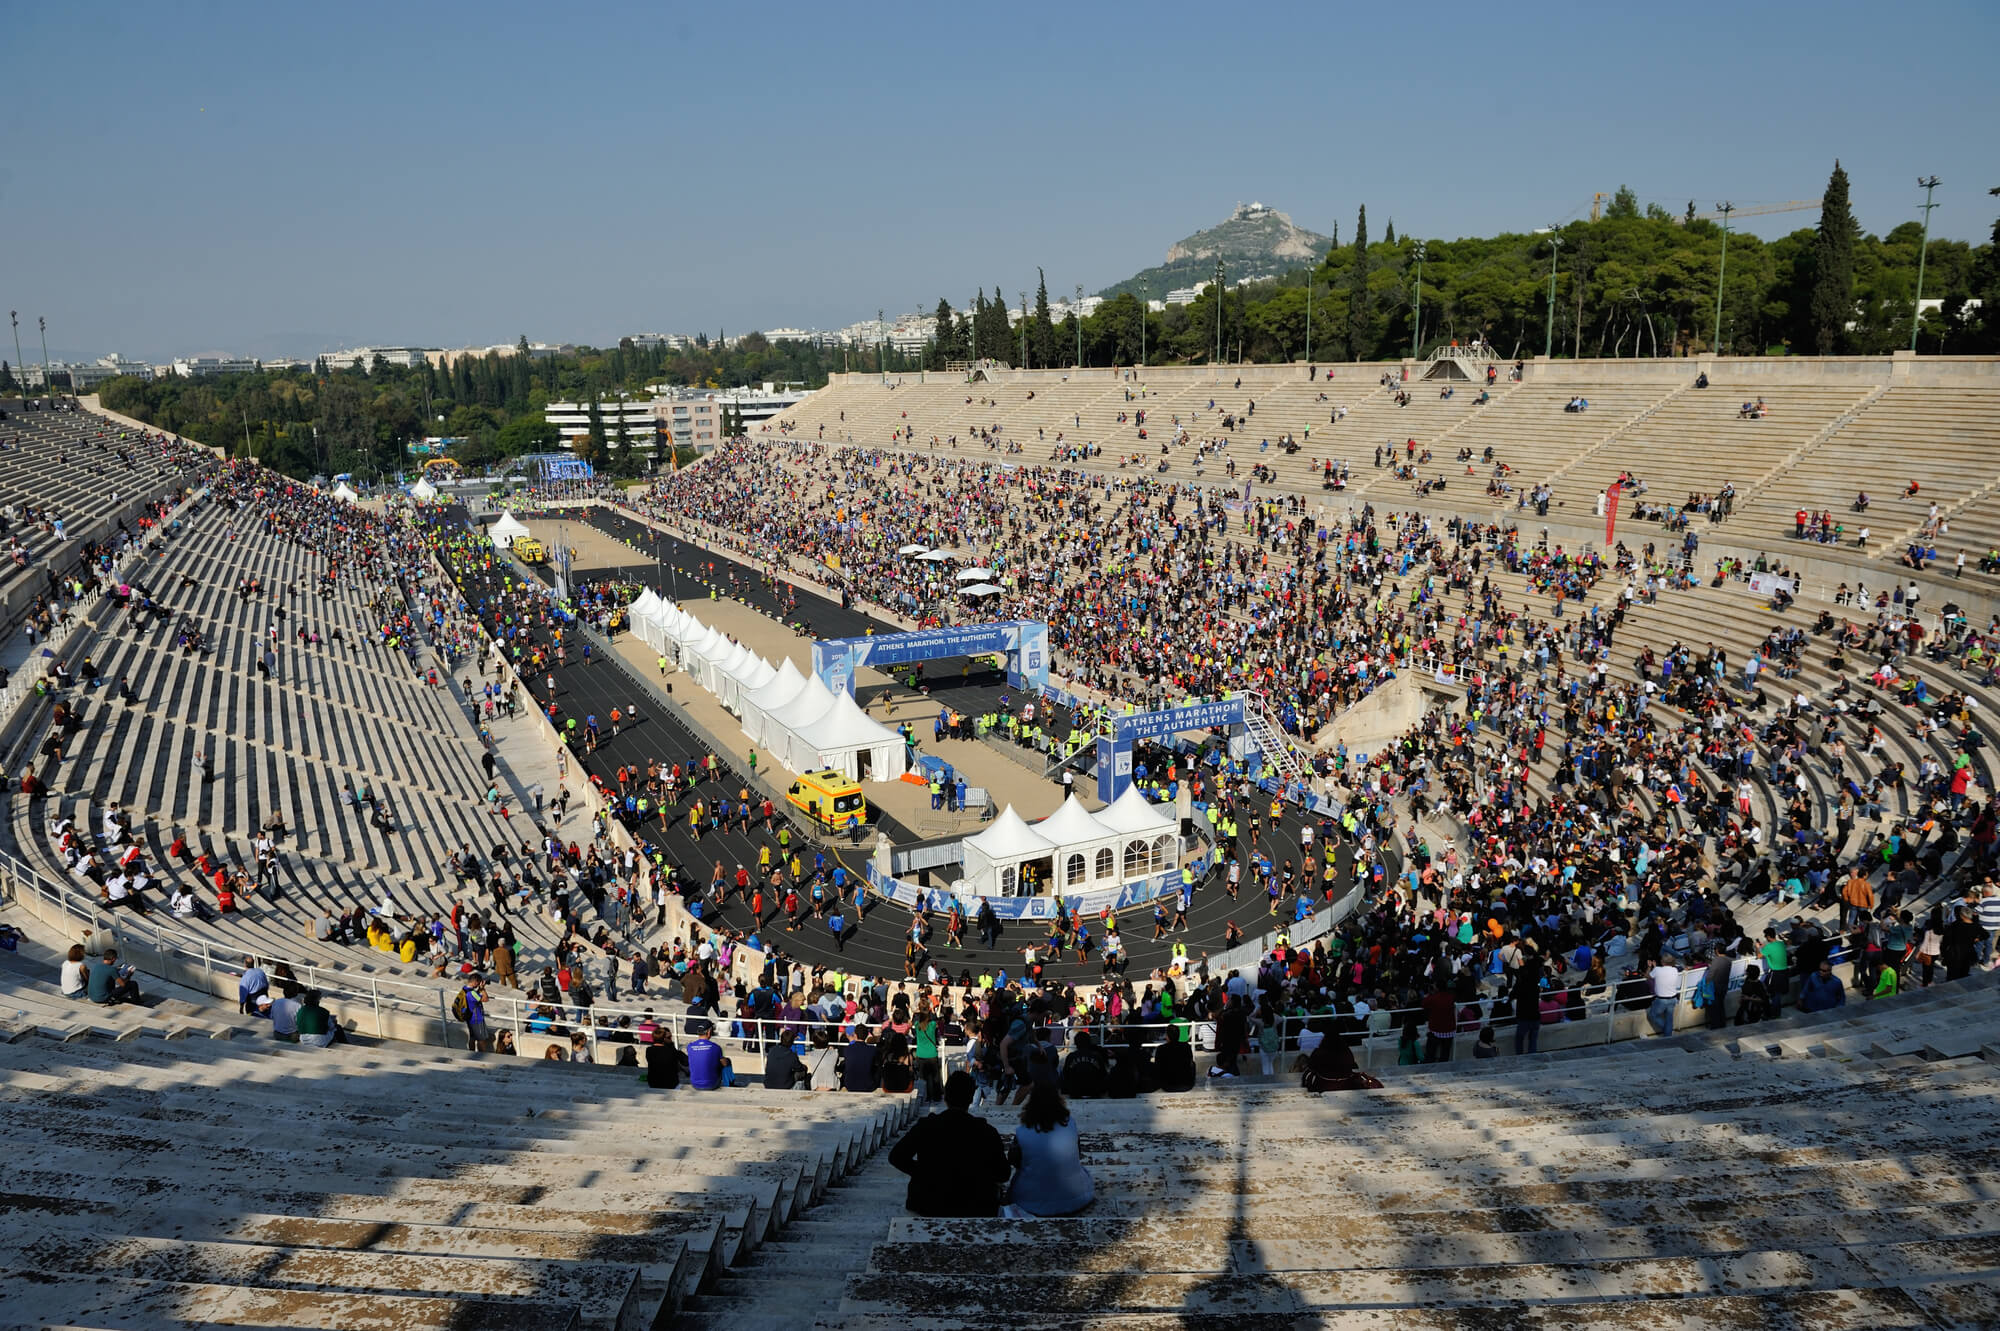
<point>630,419</point>
<point>757,405</point>
<point>408,358</point>
<point>690,416</point>
<point>189,367</point>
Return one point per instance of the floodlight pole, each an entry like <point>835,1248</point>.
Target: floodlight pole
<point>1417,327</point>
<point>1715,343</point>
<point>1929,184</point>
<point>1555,247</point>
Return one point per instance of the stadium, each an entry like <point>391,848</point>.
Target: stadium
<point>1099,820</point>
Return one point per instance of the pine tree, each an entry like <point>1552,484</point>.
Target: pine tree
<point>1831,304</point>
<point>1389,235</point>
<point>1359,311</point>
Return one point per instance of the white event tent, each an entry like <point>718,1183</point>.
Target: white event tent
<point>734,685</point>
<point>757,705</point>
<point>1086,850</point>
<point>847,739</point>
<point>809,704</point>
<point>506,530</point>
<point>1149,837</point>
<point>995,858</point>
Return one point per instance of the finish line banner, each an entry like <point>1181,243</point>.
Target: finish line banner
<point>1024,642</point>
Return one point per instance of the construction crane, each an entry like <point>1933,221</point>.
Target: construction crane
<point>1790,206</point>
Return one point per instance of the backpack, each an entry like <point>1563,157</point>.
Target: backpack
<point>459,1010</point>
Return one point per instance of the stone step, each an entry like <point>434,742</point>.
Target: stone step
<point>1107,1279</point>
<point>47,1298</point>
<point>604,1294</point>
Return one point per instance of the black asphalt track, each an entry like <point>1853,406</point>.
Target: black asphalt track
<point>874,945</point>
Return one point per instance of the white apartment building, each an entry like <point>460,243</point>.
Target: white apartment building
<point>641,425</point>
<point>189,367</point>
<point>408,358</point>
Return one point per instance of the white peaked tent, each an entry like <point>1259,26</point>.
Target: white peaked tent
<point>747,678</point>
<point>506,529</point>
<point>995,857</point>
<point>423,492</point>
<point>808,705</point>
<point>1148,837</point>
<point>849,740</point>
<point>681,626</point>
<point>641,617</point>
<point>698,649</point>
<point>344,494</point>
<point>757,705</point>
<point>659,619</point>
<point>1086,850</point>
<point>731,656</point>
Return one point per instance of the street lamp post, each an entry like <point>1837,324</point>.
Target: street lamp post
<point>1417,326</point>
<point>1555,248</point>
<point>1024,330</point>
<point>47,385</point>
<point>881,343</point>
<point>14,316</point>
<point>1928,183</point>
<point>1310,275</point>
<point>1722,271</point>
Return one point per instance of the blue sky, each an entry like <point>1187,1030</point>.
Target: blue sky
<point>284,179</point>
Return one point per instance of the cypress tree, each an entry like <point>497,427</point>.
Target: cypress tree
<point>1042,338</point>
<point>1359,314</point>
<point>1831,304</point>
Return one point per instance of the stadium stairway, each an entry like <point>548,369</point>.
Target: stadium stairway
<point>155,1183</point>
<point>1692,1182</point>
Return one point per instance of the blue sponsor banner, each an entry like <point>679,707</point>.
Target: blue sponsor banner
<point>1174,720</point>
<point>1024,642</point>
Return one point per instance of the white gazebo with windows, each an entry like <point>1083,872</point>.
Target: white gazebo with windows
<point>1086,850</point>
<point>1008,859</point>
<point>1148,838</point>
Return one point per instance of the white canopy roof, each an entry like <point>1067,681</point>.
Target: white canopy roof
<point>753,673</point>
<point>938,556</point>
<point>506,529</point>
<point>1073,825</point>
<point>974,575</point>
<point>981,589</point>
<point>423,492</point>
<point>1008,838</point>
<point>1132,814</point>
<point>846,726</point>
<point>808,705</point>
<point>781,688</point>
<point>345,495</point>
<point>731,658</point>
<point>709,644</point>
<point>646,602</point>
<point>911,550</point>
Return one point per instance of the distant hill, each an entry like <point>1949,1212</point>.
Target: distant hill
<point>1255,241</point>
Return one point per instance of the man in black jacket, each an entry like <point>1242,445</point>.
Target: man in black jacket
<point>956,1161</point>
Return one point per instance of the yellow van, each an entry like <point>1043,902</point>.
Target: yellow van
<point>829,797</point>
<point>529,551</point>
